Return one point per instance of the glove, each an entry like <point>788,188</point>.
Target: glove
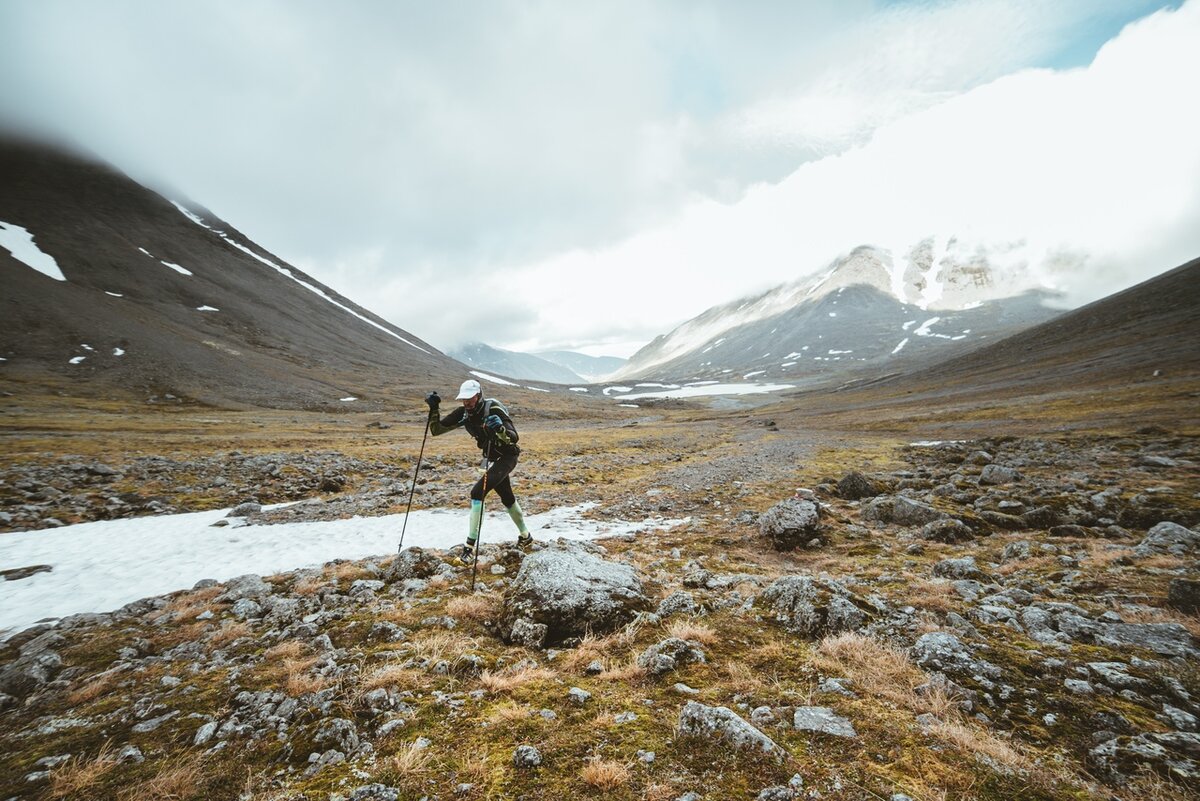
<point>433,400</point>
<point>493,423</point>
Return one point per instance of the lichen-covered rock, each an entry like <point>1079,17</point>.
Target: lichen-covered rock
<point>947,530</point>
<point>791,523</point>
<point>998,474</point>
<point>526,756</point>
<point>901,511</point>
<point>670,654</point>
<point>413,563</point>
<point>942,651</point>
<point>823,720</point>
<point>1172,754</point>
<point>855,486</point>
<point>678,603</point>
<point>722,723</point>
<point>245,586</point>
<point>813,607</point>
<point>572,592</point>
<point>1184,594</point>
<point>1170,538</point>
<point>962,568</point>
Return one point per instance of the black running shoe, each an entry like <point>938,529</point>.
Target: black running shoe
<point>525,541</point>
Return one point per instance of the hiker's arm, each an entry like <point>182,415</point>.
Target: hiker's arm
<point>440,425</point>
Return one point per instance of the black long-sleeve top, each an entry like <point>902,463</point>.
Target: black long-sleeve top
<point>493,444</point>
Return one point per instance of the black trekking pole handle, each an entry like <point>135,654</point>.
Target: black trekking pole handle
<point>414,484</point>
<point>479,534</point>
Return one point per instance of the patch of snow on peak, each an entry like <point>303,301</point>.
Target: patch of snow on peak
<point>923,331</point>
<point>537,389</point>
<point>207,308</point>
<point>77,359</point>
<point>908,325</point>
<point>616,389</point>
<point>19,242</point>
<point>899,347</point>
<point>118,351</point>
<point>491,378</point>
<point>579,389</point>
<point>348,399</point>
<point>190,215</point>
<point>934,289</point>
<point>751,375</point>
<point>114,294</point>
<point>176,268</point>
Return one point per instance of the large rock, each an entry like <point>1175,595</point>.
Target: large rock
<point>413,563</point>
<point>722,723</point>
<point>670,654</point>
<point>1168,538</point>
<point>942,651</point>
<point>823,720</point>
<point>998,474</point>
<point>1184,594</point>
<point>855,486</point>
<point>813,607</point>
<point>571,592</point>
<point>246,586</point>
<point>901,511</point>
<point>1173,754</point>
<point>791,523</point>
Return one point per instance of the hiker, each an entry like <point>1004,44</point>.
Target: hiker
<point>488,422</point>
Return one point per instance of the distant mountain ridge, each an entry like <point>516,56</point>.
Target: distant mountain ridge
<point>892,309</point>
<point>162,297</point>
<point>591,368</point>
<point>514,364</point>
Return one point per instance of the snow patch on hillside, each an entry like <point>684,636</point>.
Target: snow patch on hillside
<point>288,273</point>
<point>19,242</point>
<point>492,378</point>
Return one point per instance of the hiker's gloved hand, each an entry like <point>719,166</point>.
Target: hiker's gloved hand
<point>433,400</point>
<point>493,423</point>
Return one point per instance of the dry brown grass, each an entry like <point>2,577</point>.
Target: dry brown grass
<point>310,585</point>
<point>408,764</point>
<point>1149,787</point>
<point>441,645</point>
<point>229,633</point>
<point>1159,615</point>
<point>507,681</point>
<point>298,681</point>
<point>189,604</point>
<point>592,647</point>
<point>390,675</point>
<point>94,688</point>
<point>605,774</point>
<point>478,608</point>
<point>78,777</point>
<point>880,670</point>
<point>690,630</point>
<point>288,649</point>
<point>659,792</point>
<point>628,670</point>
<point>346,571</point>
<point>511,712</point>
<point>933,596</point>
<point>974,741</point>
<point>177,779</point>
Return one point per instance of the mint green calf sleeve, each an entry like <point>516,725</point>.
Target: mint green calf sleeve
<point>476,521</point>
<point>514,512</point>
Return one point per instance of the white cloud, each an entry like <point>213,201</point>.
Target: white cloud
<point>1102,159</point>
<point>497,167</point>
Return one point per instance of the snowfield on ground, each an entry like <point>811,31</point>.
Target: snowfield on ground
<point>492,378</point>
<point>19,242</point>
<point>710,389</point>
<point>101,566</point>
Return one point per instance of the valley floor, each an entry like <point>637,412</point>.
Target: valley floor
<point>1042,646</point>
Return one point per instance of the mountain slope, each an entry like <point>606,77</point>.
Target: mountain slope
<point>935,283</point>
<point>590,368</point>
<point>161,297</point>
<point>513,364</point>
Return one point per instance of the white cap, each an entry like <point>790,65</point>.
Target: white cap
<point>469,389</point>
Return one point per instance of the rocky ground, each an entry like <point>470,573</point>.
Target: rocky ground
<point>1000,618</point>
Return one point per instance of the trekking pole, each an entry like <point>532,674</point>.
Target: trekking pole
<point>414,484</point>
<point>479,534</point>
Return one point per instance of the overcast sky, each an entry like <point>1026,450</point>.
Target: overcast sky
<point>589,175</point>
